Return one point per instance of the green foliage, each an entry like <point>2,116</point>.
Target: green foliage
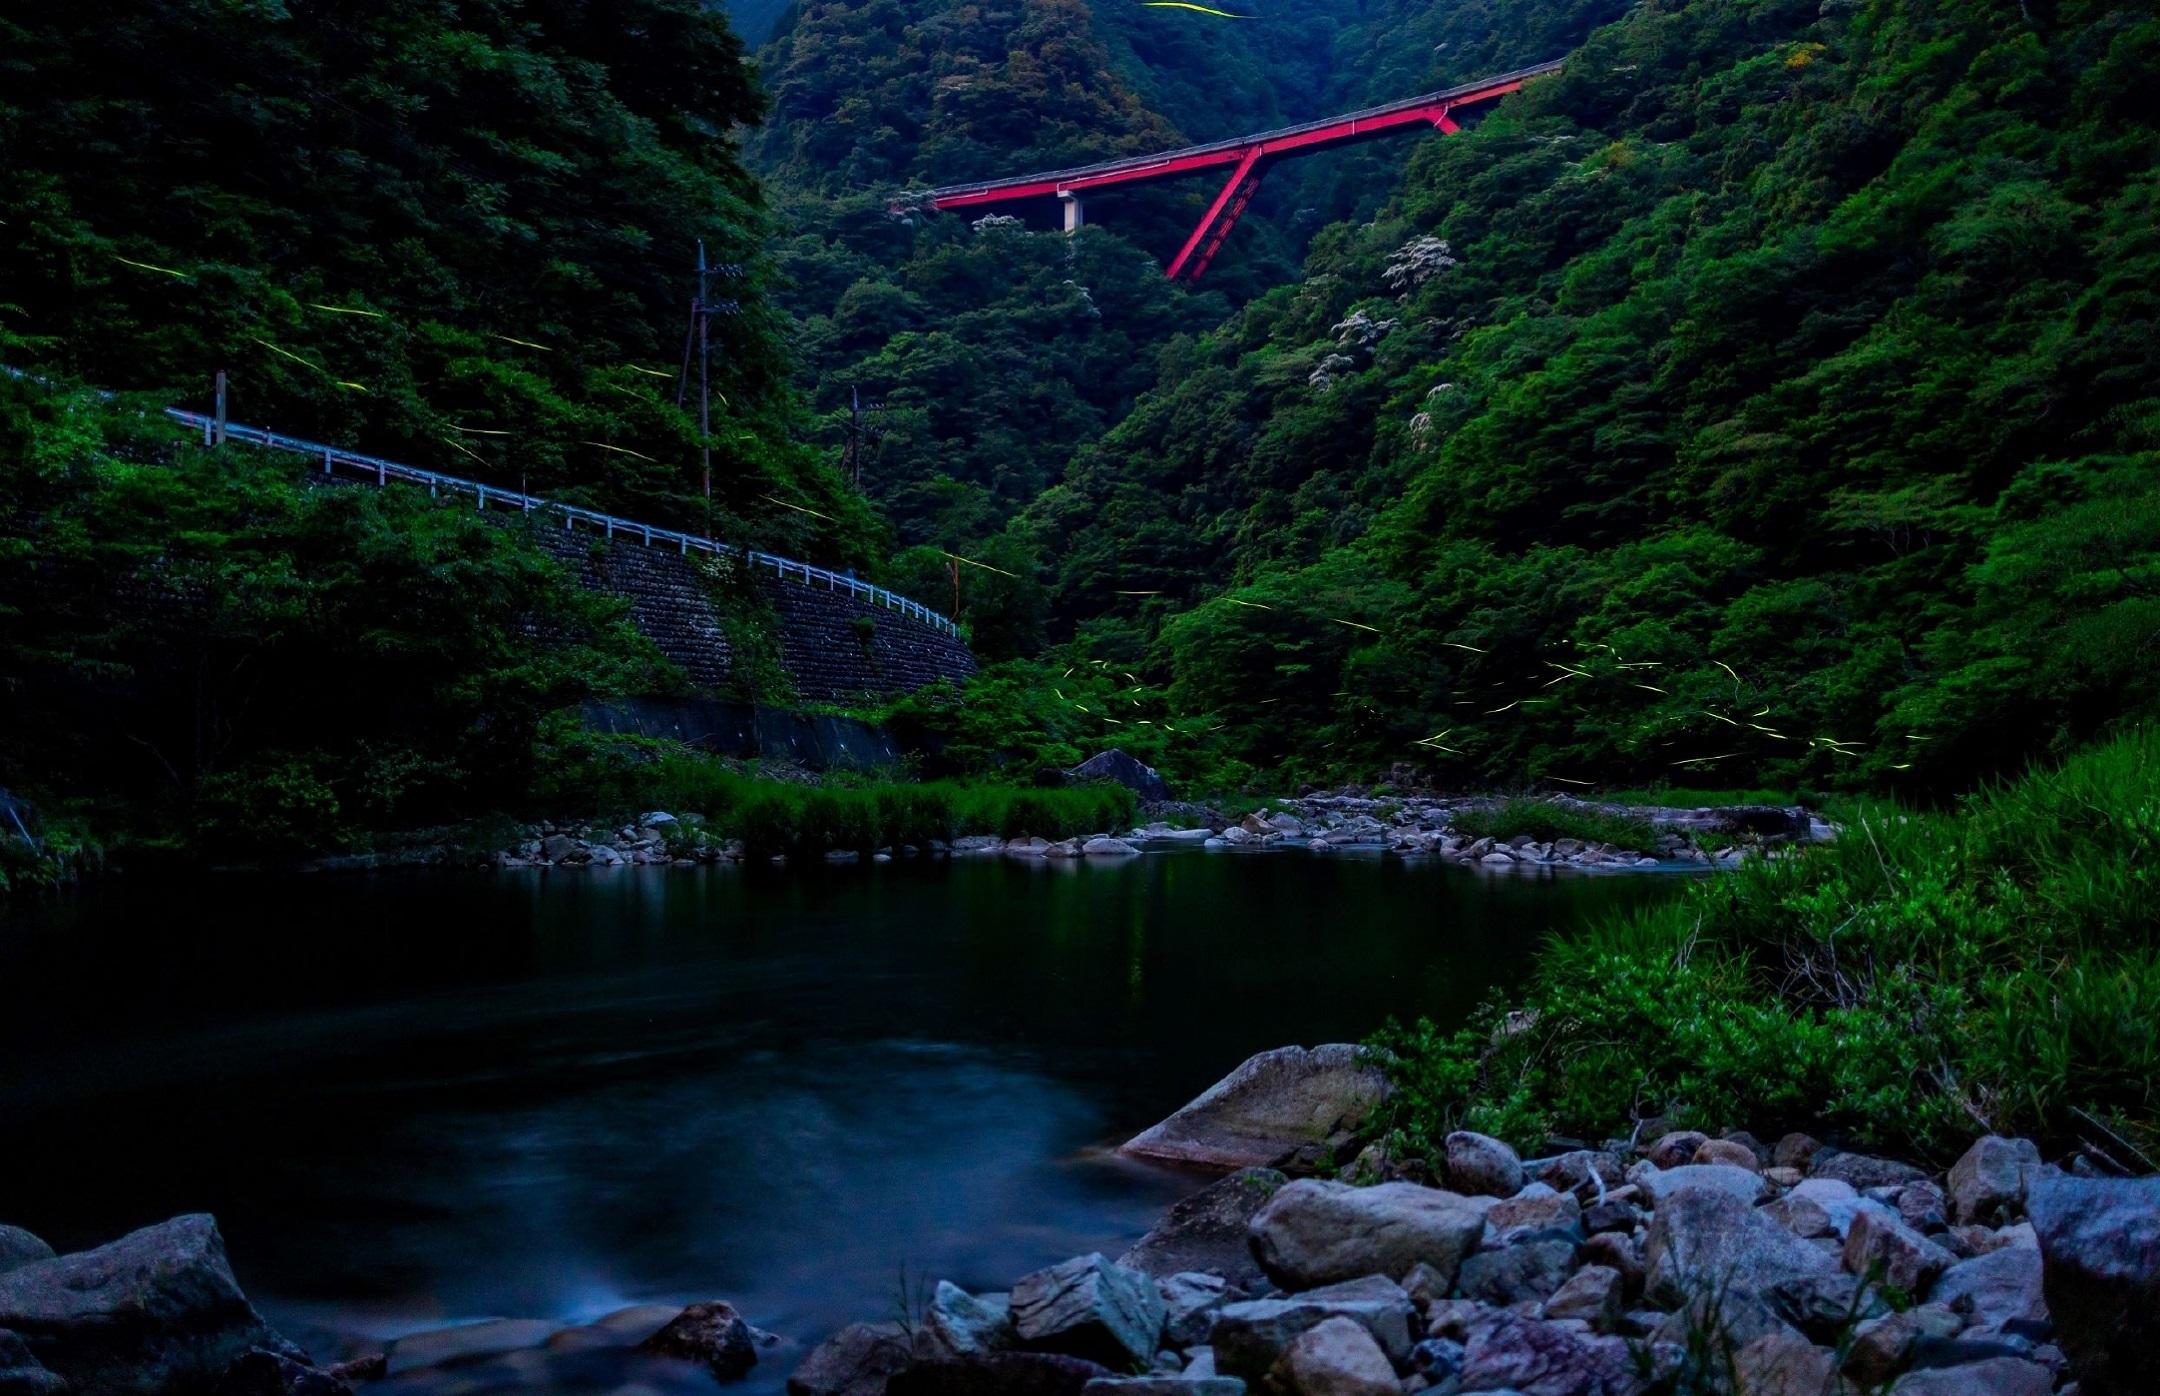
<point>1688,370</point>
<point>1925,976</point>
<point>1545,821</point>
<point>360,212</point>
<point>200,642</point>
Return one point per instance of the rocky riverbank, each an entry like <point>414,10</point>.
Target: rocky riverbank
<point>1329,822</point>
<point>1666,1260</point>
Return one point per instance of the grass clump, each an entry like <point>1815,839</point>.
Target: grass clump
<point>1545,822</point>
<point>1927,977</point>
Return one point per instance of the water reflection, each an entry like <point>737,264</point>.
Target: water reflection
<point>413,1097</point>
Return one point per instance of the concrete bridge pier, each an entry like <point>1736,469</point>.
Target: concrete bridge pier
<point>1074,218</point>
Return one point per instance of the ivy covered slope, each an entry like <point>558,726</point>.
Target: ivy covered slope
<point>462,237</point>
<point>1770,398</point>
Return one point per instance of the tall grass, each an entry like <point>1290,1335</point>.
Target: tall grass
<point>774,816</point>
<point>1925,977</point>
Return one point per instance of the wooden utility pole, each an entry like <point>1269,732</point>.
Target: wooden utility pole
<point>217,430</point>
<point>862,432</point>
<point>702,308</point>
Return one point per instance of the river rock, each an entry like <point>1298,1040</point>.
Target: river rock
<point>1908,1261</point>
<point>1532,1357</point>
<point>958,1324</point>
<point>856,1361</point>
<point>2000,1292</point>
<point>19,1248</point>
<point>1529,1270</point>
<point>1478,1164</point>
<point>157,1310</point>
<point>1782,1364</point>
<point>1880,1346</point>
<point>1335,1357</point>
<point>1103,846</point>
<point>1270,1107</point>
<point>1987,1184</point>
<point>437,1347</point>
<point>999,1374</point>
<point>1660,1183</point>
<point>21,1374</point>
<point>1865,1171</point>
<point>1191,1301</point>
<point>710,1333</point>
<point>2100,1259</point>
<point>1208,1230</point>
<point>1249,1337</point>
<point>1704,1237</point>
<point>1182,1384</point>
<point>1131,772</point>
<point>1595,1294</point>
<point>1087,1307</point>
<point>261,1372</point>
<point>1535,1208</point>
<point>1995,1376</point>
<point>1675,1147</point>
<point>1731,1152</point>
<point>1316,1233</point>
<point>1795,1151</point>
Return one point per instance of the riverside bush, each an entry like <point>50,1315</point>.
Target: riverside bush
<point>1995,966</point>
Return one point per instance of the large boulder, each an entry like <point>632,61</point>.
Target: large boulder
<point>1274,1105</point>
<point>1190,1302</point>
<point>1336,1357</point>
<point>1987,1185</point>
<point>1208,1230</point>
<point>2100,1263</point>
<point>1660,1183</point>
<point>1316,1232</point>
<point>1530,1269</point>
<point>19,1248</point>
<point>1994,1376</point>
<point>156,1311</point>
<point>1087,1307</point>
<point>856,1361</point>
<point>1131,772</point>
<point>711,1334</point>
<point>1704,1238</point>
<point>1248,1338</point>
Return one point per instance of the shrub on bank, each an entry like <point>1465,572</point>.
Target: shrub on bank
<point>1997,966</point>
<point>1546,822</point>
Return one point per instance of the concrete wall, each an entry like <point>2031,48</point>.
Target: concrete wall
<point>829,651</point>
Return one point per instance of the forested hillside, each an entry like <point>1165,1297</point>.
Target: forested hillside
<point>463,238</point>
<point>1768,397</point>
<point>1051,343</point>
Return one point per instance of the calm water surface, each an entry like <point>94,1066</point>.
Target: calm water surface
<point>417,1097</point>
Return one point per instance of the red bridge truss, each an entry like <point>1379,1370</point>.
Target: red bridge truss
<point>1246,157</point>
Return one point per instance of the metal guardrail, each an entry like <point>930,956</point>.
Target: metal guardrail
<point>613,525</point>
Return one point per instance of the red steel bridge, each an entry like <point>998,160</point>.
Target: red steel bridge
<point>1246,157</point>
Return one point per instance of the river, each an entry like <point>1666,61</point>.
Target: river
<point>422,1097</point>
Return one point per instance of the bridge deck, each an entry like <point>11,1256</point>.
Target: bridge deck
<point>1307,135</point>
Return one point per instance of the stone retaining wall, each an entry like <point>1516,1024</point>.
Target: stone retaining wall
<point>836,648</point>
